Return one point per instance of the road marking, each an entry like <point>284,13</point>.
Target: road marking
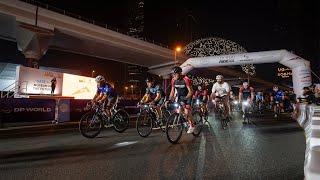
<point>201,157</point>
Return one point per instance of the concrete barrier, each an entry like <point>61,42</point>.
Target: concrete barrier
<point>309,120</point>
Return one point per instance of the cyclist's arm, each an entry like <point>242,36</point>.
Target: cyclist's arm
<point>228,90</point>
<point>144,98</point>
<point>252,94</point>
<point>195,95</point>
<point>95,97</point>
<point>171,96</point>
<point>271,98</point>
<point>189,87</point>
<point>205,94</point>
<point>240,94</point>
<point>157,97</point>
<point>190,92</point>
<point>213,92</point>
<point>103,97</point>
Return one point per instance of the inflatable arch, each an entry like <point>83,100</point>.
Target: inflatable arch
<point>301,72</point>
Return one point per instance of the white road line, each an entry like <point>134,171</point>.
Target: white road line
<point>201,158</point>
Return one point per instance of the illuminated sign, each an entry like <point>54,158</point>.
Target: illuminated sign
<point>284,73</point>
<point>79,87</point>
<point>36,81</point>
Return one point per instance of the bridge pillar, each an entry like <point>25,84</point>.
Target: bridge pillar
<point>33,42</point>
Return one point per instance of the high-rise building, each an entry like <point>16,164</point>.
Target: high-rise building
<point>136,21</point>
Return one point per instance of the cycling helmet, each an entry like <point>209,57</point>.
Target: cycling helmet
<point>149,79</point>
<point>219,77</point>
<point>100,78</point>
<point>176,69</point>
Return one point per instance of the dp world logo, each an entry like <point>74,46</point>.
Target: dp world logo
<point>63,108</point>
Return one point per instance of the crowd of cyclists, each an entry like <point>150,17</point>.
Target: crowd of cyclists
<point>182,92</point>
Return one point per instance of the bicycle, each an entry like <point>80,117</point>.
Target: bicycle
<point>177,122</point>
<point>200,107</point>
<point>221,112</point>
<point>94,120</point>
<point>246,106</point>
<point>149,118</point>
<point>277,111</point>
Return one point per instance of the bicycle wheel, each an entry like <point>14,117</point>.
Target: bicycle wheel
<point>278,113</point>
<point>198,122</point>
<point>174,128</point>
<point>223,120</point>
<point>144,124</point>
<point>165,116</point>
<point>120,120</point>
<point>90,125</point>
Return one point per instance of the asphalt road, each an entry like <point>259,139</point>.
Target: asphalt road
<point>266,150</point>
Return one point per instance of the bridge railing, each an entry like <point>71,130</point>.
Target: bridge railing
<point>88,20</point>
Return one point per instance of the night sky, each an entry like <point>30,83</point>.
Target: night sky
<point>256,25</point>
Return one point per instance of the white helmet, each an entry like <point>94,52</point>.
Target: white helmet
<point>100,78</point>
<point>219,77</point>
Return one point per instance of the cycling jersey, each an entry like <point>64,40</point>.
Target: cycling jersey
<point>201,94</point>
<point>107,89</point>
<point>259,97</point>
<point>278,95</point>
<point>153,93</point>
<point>222,89</point>
<point>180,86</point>
<point>246,93</point>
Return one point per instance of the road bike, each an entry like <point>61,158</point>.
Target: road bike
<point>149,118</point>
<point>92,122</point>
<point>177,122</point>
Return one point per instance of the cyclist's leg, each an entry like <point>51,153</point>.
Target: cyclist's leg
<point>188,111</point>
<point>161,104</point>
<point>227,103</point>
<point>281,106</point>
<point>112,101</point>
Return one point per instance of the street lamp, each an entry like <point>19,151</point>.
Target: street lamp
<point>131,89</point>
<point>177,50</point>
<point>126,89</point>
<point>92,73</point>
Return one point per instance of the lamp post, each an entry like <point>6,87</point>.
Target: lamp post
<point>126,89</point>
<point>92,73</point>
<point>131,89</point>
<point>176,50</point>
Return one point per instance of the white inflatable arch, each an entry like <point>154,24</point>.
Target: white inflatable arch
<point>301,72</point>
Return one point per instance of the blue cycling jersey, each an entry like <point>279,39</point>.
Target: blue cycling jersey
<point>154,90</point>
<point>278,95</point>
<point>107,89</point>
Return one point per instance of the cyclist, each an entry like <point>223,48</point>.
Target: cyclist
<point>181,88</point>
<point>221,89</point>
<point>259,100</point>
<point>105,94</point>
<point>246,95</point>
<point>201,94</point>
<point>277,96</point>
<point>154,95</point>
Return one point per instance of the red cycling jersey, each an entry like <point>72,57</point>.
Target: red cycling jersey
<point>200,94</point>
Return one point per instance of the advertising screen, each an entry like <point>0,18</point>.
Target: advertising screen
<point>36,81</point>
<point>79,87</point>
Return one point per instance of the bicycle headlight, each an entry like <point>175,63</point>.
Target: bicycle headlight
<point>235,102</point>
<point>197,101</point>
<point>145,106</point>
<point>245,103</point>
<point>176,105</point>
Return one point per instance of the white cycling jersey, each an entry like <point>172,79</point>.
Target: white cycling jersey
<point>221,89</point>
